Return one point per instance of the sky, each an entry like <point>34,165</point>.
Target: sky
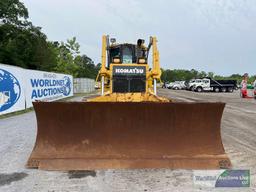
<point>209,35</point>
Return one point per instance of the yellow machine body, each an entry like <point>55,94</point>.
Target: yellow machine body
<point>106,75</point>
<point>129,125</point>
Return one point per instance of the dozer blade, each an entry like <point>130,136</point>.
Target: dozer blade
<point>104,135</point>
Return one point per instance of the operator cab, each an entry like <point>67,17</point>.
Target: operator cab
<point>127,53</point>
<point>128,73</point>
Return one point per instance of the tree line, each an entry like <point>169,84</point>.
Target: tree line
<point>25,45</point>
<point>185,75</point>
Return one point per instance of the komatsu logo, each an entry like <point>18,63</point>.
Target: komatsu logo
<point>129,70</point>
<point>135,70</point>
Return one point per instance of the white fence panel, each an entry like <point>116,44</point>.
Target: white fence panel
<point>47,86</point>
<point>84,85</point>
<point>12,93</point>
<point>20,87</point>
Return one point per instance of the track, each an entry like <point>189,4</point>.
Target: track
<point>17,136</point>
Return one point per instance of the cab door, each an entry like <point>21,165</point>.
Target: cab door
<point>206,84</point>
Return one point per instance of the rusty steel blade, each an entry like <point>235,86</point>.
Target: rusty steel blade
<point>103,135</point>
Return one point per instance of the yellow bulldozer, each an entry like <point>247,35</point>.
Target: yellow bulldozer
<point>128,125</point>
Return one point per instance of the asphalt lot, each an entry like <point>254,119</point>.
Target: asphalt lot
<point>17,136</point>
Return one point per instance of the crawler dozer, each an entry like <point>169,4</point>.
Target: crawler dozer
<point>128,125</point>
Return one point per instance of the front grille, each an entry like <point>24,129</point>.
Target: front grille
<point>137,85</point>
<point>127,84</point>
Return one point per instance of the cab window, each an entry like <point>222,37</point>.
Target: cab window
<point>127,55</point>
<point>114,52</point>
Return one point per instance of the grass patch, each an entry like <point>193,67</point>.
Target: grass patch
<point>16,113</point>
<point>32,109</point>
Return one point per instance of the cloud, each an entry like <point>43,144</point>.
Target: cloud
<point>216,35</point>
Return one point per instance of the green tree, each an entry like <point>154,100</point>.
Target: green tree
<point>26,47</point>
<point>202,74</point>
<point>66,53</point>
<point>21,43</point>
<point>185,75</point>
<point>210,74</point>
<point>13,12</point>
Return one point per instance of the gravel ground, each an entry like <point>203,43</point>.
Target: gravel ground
<point>17,136</point>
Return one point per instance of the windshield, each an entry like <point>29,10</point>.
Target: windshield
<point>127,55</point>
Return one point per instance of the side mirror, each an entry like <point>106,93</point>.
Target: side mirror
<point>140,42</point>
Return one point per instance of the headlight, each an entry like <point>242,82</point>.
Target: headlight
<point>142,61</point>
<point>116,60</point>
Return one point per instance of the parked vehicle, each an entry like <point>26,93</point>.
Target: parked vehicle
<point>179,85</point>
<point>190,84</point>
<point>170,85</point>
<point>97,85</point>
<point>249,86</point>
<point>165,84</point>
<point>208,84</point>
